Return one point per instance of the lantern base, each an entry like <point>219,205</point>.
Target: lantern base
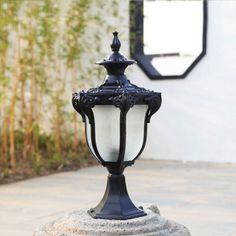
<point>116,203</point>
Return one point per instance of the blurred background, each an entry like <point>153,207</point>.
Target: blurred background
<point>47,51</point>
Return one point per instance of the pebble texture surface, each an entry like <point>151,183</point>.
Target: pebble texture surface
<point>80,223</point>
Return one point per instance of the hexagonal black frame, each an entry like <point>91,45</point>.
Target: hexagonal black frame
<point>136,42</point>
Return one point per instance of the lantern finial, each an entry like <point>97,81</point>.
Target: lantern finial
<point>115,46</point>
<point>116,63</point>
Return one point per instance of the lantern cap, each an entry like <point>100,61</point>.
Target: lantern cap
<point>116,63</point>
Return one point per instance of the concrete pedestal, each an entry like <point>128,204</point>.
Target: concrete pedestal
<point>79,223</point>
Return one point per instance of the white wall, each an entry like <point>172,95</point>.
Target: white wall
<point>197,120</point>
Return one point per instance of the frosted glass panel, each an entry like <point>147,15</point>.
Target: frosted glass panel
<point>88,136</point>
<point>134,131</point>
<point>107,131</point>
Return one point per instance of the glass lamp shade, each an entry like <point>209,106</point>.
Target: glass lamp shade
<point>107,129</point>
<point>135,132</point>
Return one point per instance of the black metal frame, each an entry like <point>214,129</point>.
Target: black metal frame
<point>136,43</point>
<point>116,203</point>
<point>119,92</point>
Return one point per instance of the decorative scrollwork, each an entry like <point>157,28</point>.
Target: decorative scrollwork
<point>154,102</point>
<point>77,105</point>
<point>87,100</point>
<point>124,101</point>
<point>82,102</point>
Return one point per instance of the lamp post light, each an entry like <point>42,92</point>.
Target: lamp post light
<point>116,115</point>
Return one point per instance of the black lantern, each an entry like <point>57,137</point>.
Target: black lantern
<point>116,115</point>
